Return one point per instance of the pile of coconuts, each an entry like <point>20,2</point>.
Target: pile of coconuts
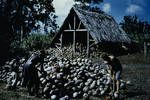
<point>64,78</point>
<point>74,78</point>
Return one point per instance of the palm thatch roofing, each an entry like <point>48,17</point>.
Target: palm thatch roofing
<point>101,26</point>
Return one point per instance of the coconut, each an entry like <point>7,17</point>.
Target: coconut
<point>8,86</point>
<point>81,84</point>
<point>85,89</point>
<point>18,83</point>
<point>47,69</point>
<point>128,82</point>
<point>87,74</point>
<point>75,74</point>
<point>11,62</point>
<point>75,94</point>
<point>77,82</point>
<point>66,97</point>
<point>74,88</point>
<point>61,64</point>
<point>56,81</point>
<point>53,97</point>
<point>89,92</point>
<point>94,92</point>
<point>85,96</point>
<point>80,63</point>
<point>92,69</point>
<point>102,92</point>
<point>98,82</point>
<point>87,83</point>
<point>90,80</point>
<point>62,98</point>
<point>46,89</point>
<point>93,85</point>
<point>53,86</point>
<point>59,75</point>
<point>108,81</point>
<point>72,71</point>
<point>44,81</point>
<point>122,85</point>
<point>67,65</point>
<point>74,63</point>
<point>116,95</point>
<point>92,75</point>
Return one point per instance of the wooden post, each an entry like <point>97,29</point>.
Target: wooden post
<point>61,40</point>
<point>74,35</point>
<point>21,34</point>
<point>79,25</point>
<point>145,48</point>
<point>74,41</point>
<point>88,44</point>
<point>69,25</point>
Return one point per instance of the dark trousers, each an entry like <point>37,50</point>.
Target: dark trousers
<point>31,79</point>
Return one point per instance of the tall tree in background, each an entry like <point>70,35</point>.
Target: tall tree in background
<point>28,15</point>
<point>5,33</point>
<point>89,1</point>
<point>135,27</point>
<point>90,5</point>
<point>20,17</point>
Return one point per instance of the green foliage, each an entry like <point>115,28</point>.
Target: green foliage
<point>20,17</point>
<point>36,42</point>
<point>91,5</point>
<point>89,1</point>
<point>30,43</point>
<point>135,27</point>
<point>16,49</point>
<point>24,16</point>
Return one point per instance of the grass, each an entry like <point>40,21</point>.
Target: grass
<point>139,77</point>
<point>137,58</point>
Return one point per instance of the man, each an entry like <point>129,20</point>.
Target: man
<point>115,69</point>
<point>30,72</point>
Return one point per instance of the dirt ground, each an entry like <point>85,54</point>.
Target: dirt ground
<point>138,74</point>
<point>135,70</point>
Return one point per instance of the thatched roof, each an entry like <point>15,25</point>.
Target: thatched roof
<point>101,26</point>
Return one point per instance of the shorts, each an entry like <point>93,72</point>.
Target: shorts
<point>118,75</point>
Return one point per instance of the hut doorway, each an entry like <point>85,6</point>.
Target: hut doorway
<point>80,40</point>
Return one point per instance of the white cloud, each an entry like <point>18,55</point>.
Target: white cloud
<point>106,7</point>
<point>62,8</point>
<point>133,8</point>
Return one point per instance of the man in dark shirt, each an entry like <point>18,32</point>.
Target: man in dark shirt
<point>115,69</point>
<point>30,72</point>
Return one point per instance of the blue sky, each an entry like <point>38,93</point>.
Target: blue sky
<point>116,8</point>
<point>119,8</point>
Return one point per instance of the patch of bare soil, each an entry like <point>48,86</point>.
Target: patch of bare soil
<point>138,74</point>
<point>17,94</point>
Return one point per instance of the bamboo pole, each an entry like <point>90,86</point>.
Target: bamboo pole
<point>74,35</point>
<point>61,41</point>
<point>21,34</point>
<point>88,44</point>
<point>145,48</point>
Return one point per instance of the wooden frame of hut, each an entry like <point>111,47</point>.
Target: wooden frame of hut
<point>88,28</point>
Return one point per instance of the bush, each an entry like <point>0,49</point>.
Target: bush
<point>16,49</point>
<point>30,43</point>
<point>36,42</point>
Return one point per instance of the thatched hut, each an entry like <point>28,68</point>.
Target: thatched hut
<point>89,28</point>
